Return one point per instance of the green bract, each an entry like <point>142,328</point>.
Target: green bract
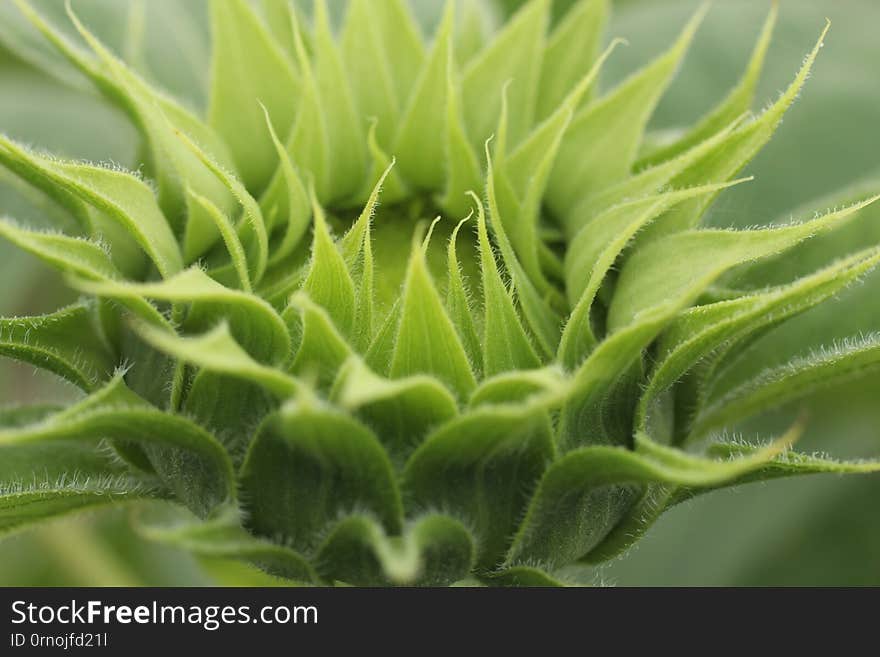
<point>311,372</point>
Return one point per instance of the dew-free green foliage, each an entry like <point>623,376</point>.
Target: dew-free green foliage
<point>406,308</point>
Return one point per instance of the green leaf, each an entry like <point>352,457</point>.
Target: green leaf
<point>383,54</point>
<point>592,254</point>
<point>322,349</point>
<point>547,383</point>
<point>534,303</point>
<point>231,407</point>
<point>81,257</point>
<point>253,227</point>
<point>435,550</point>
<point>659,498</point>
<point>475,22</point>
<point>158,118</point>
<point>39,481</point>
<point>125,253</point>
<point>400,411</point>
<point>427,342</point>
<point>295,205</point>
<point>66,342</point>
<point>789,463</point>
<point>217,351</point>
<point>738,149</point>
<point>737,101</point>
<point>481,467</point>
<point>253,322</point>
<point>515,52</point>
<point>519,180</point>
<point>505,343</point>
<point>797,378</point>
<point>329,283</point>
<point>592,413</point>
<point>119,196</point>
<point>248,66</point>
<point>420,142</point>
<point>571,50</point>
<point>702,330</point>
<point>223,537</point>
<point>345,134</point>
<point>365,297</point>
<point>651,276</point>
<point>230,238</point>
<point>174,443</point>
<point>463,172</point>
<point>458,303</point>
<point>602,141</point>
<point>308,143</point>
<point>357,250</point>
<point>583,495</point>
<point>378,356</point>
<point>29,504</point>
<point>309,464</point>
<point>650,181</point>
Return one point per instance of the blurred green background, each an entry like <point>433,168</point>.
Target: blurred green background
<point>814,531</point>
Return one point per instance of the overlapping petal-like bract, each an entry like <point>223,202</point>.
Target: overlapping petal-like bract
<point>341,392</point>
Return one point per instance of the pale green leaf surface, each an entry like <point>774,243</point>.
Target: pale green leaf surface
<point>651,276</point>
<point>505,343</point>
<point>383,54</point>
<point>230,238</point>
<point>515,53</point>
<point>592,254</point>
<point>400,411</point>
<point>66,342</point>
<point>434,550</point>
<point>583,495</point>
<point>458,303</point>
<point>79,256</point>
<point>159,119</point>
<point>518,182</point>
<point>217,351</point>
<point>652,180</point>
<point>329,282</point>
<point>791,381</point>
<point>601,143</point>
<point>378,356</point>
<point>697,333</point>
<point>252,229</point>
<point>739,147</point>
<point>427,342</point>
<point>598,376</point>
<point>345,134</point>
<point>39,481</point>
<point>248,66</point>
<point>571,50</point>
<point>223,537</point>
<point>322,349</point>
<point>735,104</point>
<point>253,322</point>
<point>420,141</point>
<point>537,305</point>
<point>547,383</point>
<point>309,464</point>
<point>117,195</point>
<point>294,205</point>
<point>463,172</point>
<point>177,444</point>
<point>480,467</point>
